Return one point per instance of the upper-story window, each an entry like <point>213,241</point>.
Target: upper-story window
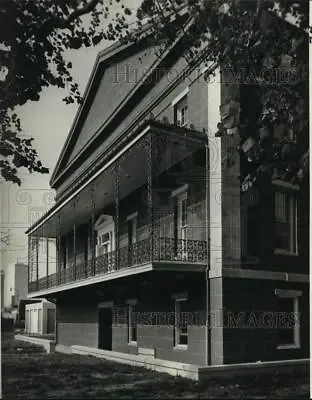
<point>105,229</point>
<point>286,220</point>
<point>181,112</point>
<point>105,241</point>
<point>180,108</point>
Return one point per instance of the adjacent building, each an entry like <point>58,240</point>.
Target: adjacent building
<point>2,288</point>
<point>15,284</point>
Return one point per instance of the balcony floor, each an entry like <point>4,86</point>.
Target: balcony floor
<point>173,266</point>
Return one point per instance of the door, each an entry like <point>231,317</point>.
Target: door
<point>86,248</point>
<point>182,225</point>
<point>132,228</point>
<point>105,328</point>
<point>51,320</point>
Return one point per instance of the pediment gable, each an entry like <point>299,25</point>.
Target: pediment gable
<point>115,77</point>
<point>120,80</point>
<point>117,82</point>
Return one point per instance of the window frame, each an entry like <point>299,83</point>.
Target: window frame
<point>289,193</point>
<point>183,96</point>
<point>105,227</point>
<point>181,112</point>
<point>295,295</point>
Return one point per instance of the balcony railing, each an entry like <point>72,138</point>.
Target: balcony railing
<point>144,251</point>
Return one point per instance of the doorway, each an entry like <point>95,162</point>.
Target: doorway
<point>132,238</point>
<point>105,328</point>
<point>51,320</point>
<point>181,227</point>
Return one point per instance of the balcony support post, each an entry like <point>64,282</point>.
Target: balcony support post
<point>37,261</point>
<point>47,260</point>
<point>29,261</point>
<point>74,239</point>
<point>93,230</point>
<point>207,253</point>
<point>117,190</point>
<point>149,154</point>
<point>59,247</point>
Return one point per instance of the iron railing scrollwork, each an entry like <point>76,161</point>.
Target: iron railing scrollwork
<point>167,250</point>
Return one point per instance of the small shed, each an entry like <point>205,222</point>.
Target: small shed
<point>40,318</point>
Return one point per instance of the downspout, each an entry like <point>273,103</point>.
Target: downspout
<point>207,319</point>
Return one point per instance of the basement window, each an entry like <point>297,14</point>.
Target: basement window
<point>288,318</point>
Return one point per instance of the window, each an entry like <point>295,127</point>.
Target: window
<point>181,221</point>
<point>105,231</point>
<point>180,326</point>
<point>180,111</point>
<point>132,322</point>
<point>105,243</point>
<point>288,318</point>
<point>285,221</point>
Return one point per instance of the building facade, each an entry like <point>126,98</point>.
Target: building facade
<point>15,286</point>
<point>2,288</point>
<point>159,251</point>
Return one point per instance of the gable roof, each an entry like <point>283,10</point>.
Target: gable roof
<point>115,56</point>
<point>101,61</point>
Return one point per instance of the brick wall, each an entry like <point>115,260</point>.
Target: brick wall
<point>77,320</point>
<point>77,323</point>
<point>257,339</point>
<point>160,337</point>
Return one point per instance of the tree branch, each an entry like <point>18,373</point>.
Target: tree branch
<point>78,13</point>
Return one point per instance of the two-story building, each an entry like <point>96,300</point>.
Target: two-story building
<point>160,253</point>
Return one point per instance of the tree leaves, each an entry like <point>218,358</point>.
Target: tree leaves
<point>264,52</point>
<point>17,152</point>
<point>35,35</point>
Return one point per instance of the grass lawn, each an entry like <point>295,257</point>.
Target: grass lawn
<point>27,373</point>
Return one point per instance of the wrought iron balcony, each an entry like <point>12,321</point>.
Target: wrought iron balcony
<point>145,251</point>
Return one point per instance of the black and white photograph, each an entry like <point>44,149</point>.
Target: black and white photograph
<point>155,199</point>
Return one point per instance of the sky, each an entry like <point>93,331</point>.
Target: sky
<point>48,121</point>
